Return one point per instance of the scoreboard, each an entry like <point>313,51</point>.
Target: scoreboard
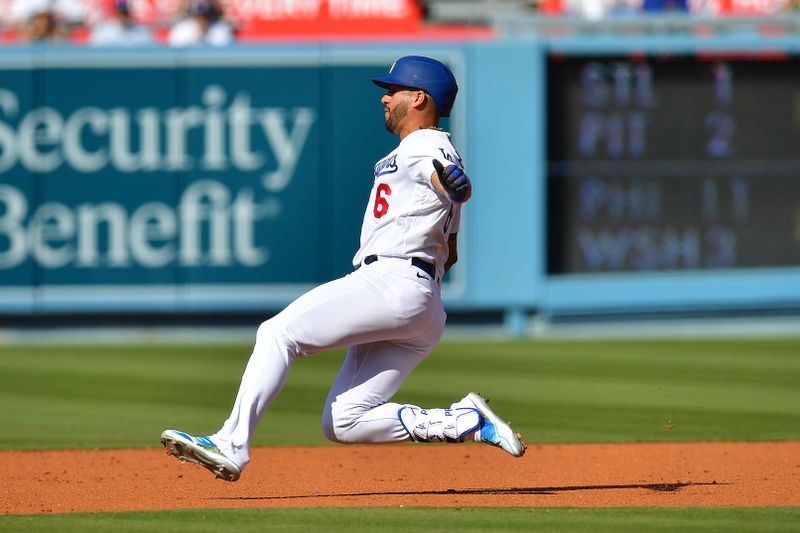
<point>672,162</point>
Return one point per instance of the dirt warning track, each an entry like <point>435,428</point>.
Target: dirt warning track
<point>675,474</point>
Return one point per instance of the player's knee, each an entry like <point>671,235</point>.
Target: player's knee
<point>266,330</point>
<point>338,426</point>
<point>272,334</point>
<point>328,430</point>
<point>329,425</point>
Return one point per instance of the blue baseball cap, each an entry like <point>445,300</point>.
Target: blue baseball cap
<point>424,73</point>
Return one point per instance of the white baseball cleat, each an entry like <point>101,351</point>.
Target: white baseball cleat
<point>495,430</point>
<point>201,451</point>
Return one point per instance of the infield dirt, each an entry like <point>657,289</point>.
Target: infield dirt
<point>675,474</point>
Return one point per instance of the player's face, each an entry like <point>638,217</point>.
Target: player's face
<point>395,107</point>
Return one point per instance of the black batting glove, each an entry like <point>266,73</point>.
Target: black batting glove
<point>454,181</point>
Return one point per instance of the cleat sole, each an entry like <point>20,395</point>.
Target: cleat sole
<point>187,454</point>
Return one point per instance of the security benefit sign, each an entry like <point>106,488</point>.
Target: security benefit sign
<point>152,176</point>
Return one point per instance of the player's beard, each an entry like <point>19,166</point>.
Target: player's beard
<point>396,115</point>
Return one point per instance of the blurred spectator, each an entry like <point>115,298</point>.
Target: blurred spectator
<point>70,12</point>
<point>44,21</point>
<point>121,30</point>
<point>598,9</point>
<point>43,28</point>
<point>6,21</point>
<point>665,6</point>
<point>204,25</point>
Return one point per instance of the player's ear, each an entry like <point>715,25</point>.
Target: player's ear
<point>421,99</point>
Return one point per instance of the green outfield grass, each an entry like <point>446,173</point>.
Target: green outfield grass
<point>605,391</point>
<point>557,520</point>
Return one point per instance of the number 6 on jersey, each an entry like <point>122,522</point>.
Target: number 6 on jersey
<point>381,204</point>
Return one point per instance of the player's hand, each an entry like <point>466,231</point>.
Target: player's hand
<point>454,181</point>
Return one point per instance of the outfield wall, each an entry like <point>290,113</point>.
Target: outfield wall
<point>234,180</point>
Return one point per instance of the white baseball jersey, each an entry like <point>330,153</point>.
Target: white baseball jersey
<point>406,216</point>
<point>388,315</point>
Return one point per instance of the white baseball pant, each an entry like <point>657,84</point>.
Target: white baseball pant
<point>390,315</point>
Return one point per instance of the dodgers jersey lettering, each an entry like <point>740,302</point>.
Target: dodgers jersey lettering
<point>406,216</point>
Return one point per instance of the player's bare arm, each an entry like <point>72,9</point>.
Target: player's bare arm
<point>452,256</point>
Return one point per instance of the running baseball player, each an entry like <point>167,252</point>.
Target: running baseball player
<point>388,311</point>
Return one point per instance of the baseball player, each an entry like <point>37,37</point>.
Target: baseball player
<point>388,311</point>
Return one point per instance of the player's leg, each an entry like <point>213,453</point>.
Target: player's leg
<point>358,408</point>
<point>360,308</point>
